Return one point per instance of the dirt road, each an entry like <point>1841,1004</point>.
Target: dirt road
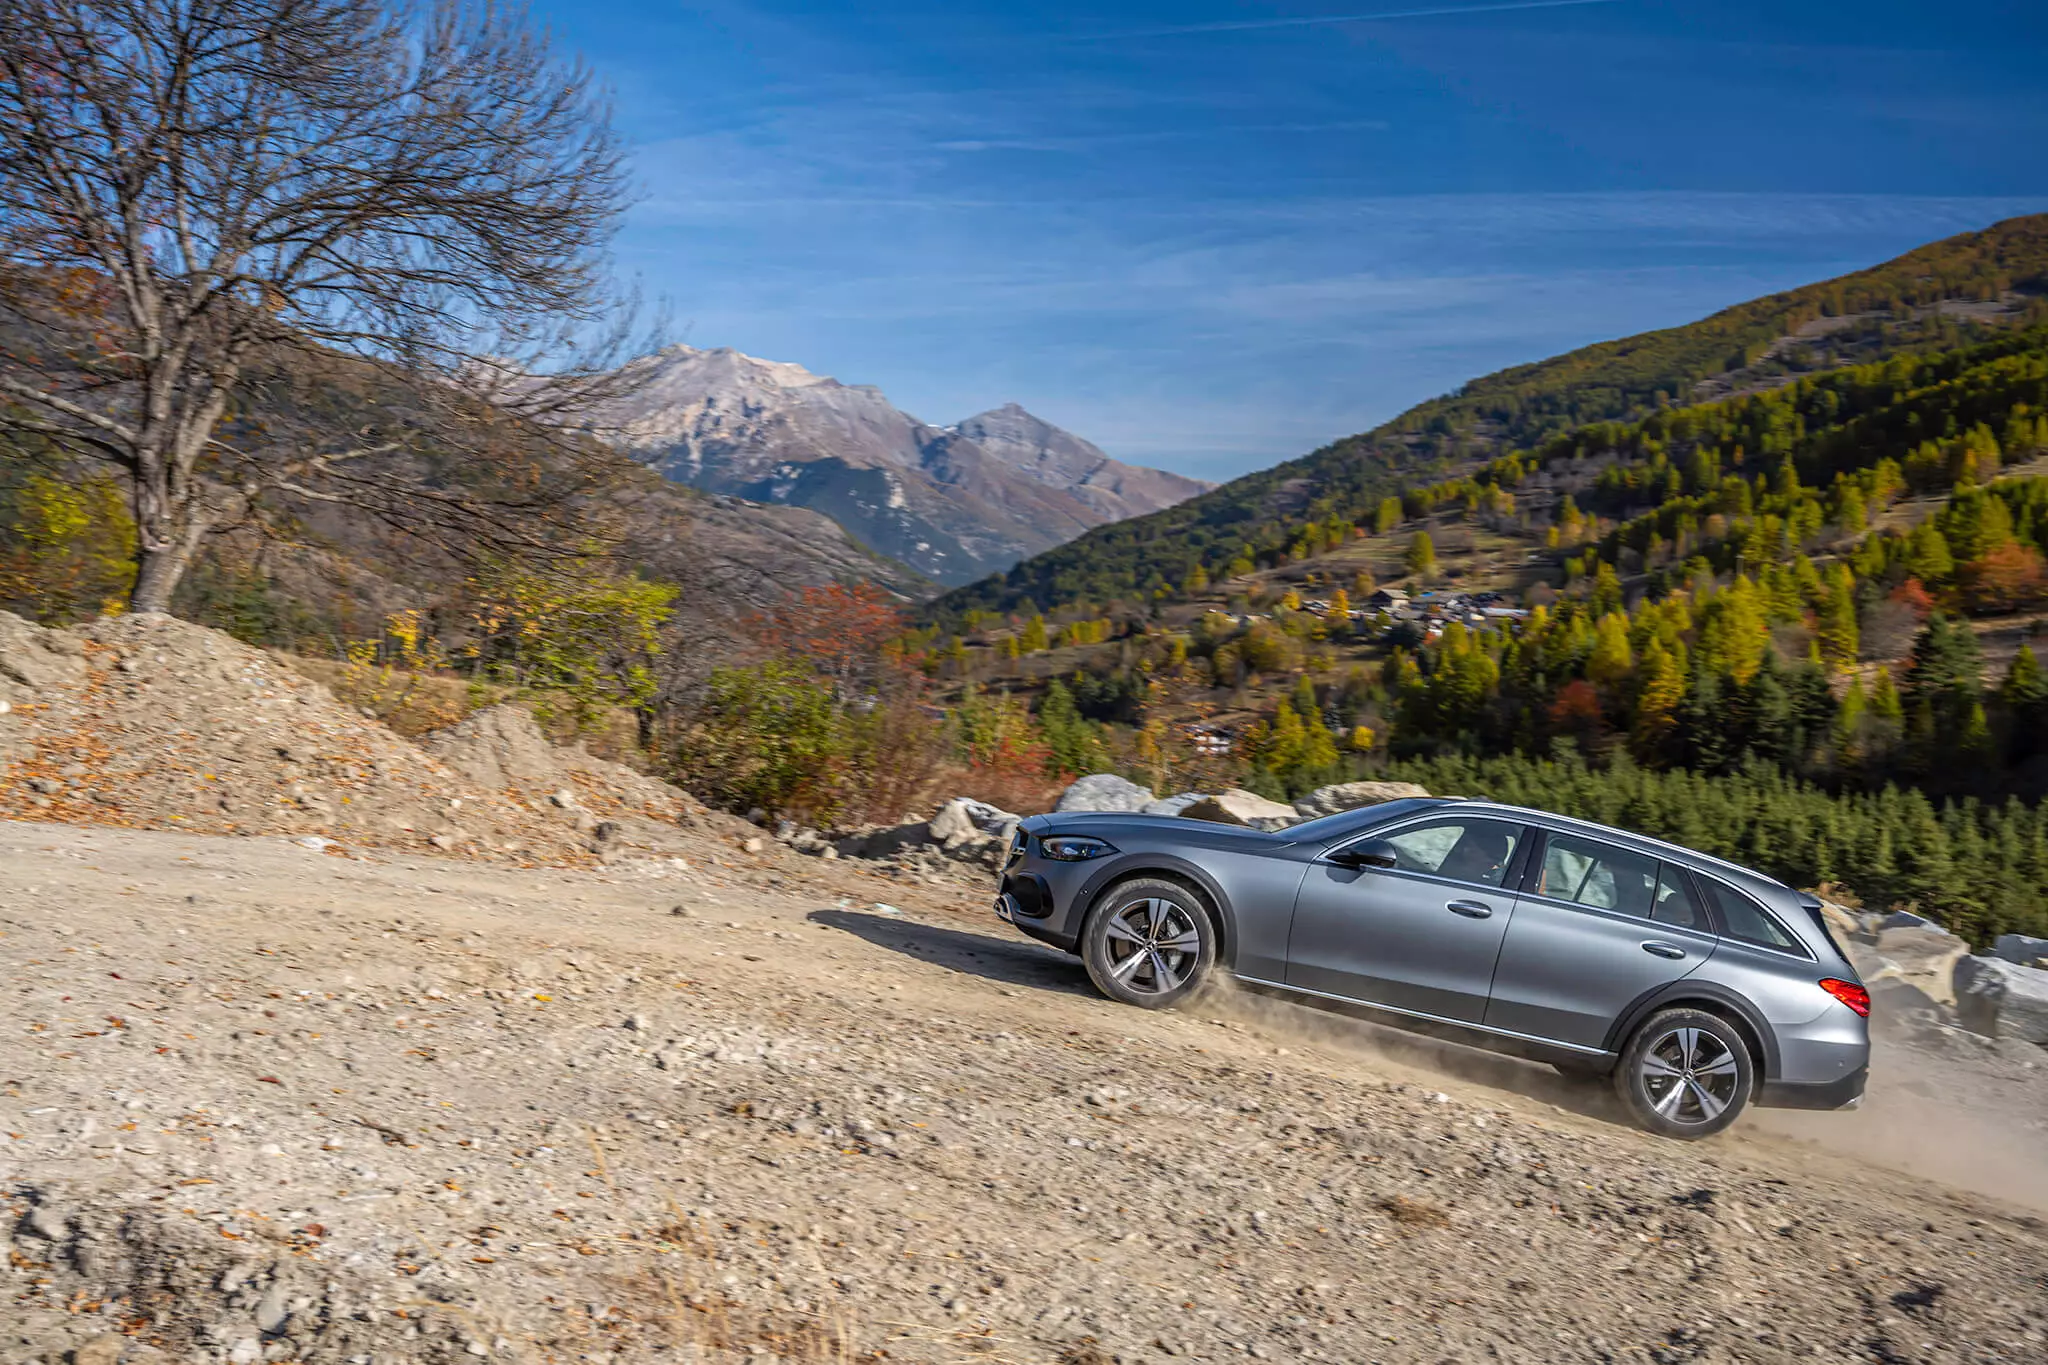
<point>260,1102</point>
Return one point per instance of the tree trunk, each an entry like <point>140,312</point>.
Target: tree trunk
<point>160,566</point>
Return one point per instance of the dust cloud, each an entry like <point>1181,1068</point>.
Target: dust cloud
<point>1969,1114</point>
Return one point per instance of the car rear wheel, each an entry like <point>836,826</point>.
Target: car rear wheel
<point>1149,943</point>
<point>1685,1074</point>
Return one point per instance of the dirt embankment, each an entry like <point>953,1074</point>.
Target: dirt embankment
<point>147,722</point>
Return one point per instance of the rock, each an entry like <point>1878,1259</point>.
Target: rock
<point>963,819</point>
<point>1848,925</point>
<point>563,800</point>
<point>753,845</point>
<point>1175,804</point>
<point>46,1223</point>
<point>1240,807</point>
<point>104,1349</point>
<point>1104,792</point>
<point>1922,955</point>
<point>273,1310</point>
<point>1351,795</point>
<point>2023,949</point>
<point>2001,999</point>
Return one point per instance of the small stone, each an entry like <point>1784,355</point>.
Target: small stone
<point>245,1352</point>
<point>563,800</point>
<point>273,1311</point>
<point>104,1349</point>
<point>680,911</point>
<point>637,1023</point>
<point>45,1222</point>
<point>753,845</point>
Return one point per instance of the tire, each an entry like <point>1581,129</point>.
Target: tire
<point>1685,1074</point>
<point>1149,942</point>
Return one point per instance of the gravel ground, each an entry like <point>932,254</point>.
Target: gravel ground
<point>259,1102</point>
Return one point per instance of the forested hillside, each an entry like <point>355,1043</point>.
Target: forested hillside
<point>1938,295</point>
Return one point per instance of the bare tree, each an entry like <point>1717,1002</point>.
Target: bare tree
<point>198,196</point>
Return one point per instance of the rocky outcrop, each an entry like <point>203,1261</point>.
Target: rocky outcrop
<point>1104,792</point>
<point>2001,999</point>
<point>1922,955</point>
<point>1173,805</point>
<point>1351,795</point>
<point>2024,949</point>
<point>1240,807</point>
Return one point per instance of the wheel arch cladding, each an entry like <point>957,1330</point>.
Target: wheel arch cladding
<point>1707,998</point>
<point>1197,883</point>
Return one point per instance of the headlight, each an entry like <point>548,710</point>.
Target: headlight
<point>1074,848</point>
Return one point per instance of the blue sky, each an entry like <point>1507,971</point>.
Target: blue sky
<point>1217,234</point>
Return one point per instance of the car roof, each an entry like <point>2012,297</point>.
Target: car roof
<point>1661,847</point>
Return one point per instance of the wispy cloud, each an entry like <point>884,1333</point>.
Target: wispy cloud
<point>1321,20</point>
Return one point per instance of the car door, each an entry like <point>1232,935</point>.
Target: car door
<point>1595,926</point>
<point>1419,936</point>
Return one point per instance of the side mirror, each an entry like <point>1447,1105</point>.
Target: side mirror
<point>1367,853</point>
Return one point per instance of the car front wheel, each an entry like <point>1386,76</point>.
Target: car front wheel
<point>1685,1074</point>
<point>1149,943</point>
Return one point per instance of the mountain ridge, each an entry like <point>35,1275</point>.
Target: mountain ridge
<point>1993,278</point>
<point>950,502</point>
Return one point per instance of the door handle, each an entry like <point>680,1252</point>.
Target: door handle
<point>1470,909</point>
<point>1670,950</point>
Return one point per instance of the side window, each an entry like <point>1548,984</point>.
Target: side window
<point>1464,850</point>
<point>1675,904</point>
<point>1596,874</point>
<point>1742,918</point>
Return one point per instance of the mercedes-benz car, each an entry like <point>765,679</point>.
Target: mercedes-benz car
<point>1698,985</point>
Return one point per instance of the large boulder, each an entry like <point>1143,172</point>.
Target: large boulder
<point>2001,999</point>
<point>2024,949</point>
<point>1852,927</point>
<point>1921,955</point>
<point>1104,792</point>
<point>1351,795</point>
<point>1240,807</point>
<point>1173,805</point>
<point>963,819</point>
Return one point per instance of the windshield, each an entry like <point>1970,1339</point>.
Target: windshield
<point>1351,821</point>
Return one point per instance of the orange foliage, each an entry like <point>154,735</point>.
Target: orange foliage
<point>845,631</point>
<point>2012,577</point>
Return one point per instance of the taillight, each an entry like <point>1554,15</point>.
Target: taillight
<point>1850,994</point>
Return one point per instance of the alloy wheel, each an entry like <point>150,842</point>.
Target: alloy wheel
<point>1153,944</point>
<point>1690,1076</point>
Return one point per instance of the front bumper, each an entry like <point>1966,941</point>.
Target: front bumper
<point>1026,901</point>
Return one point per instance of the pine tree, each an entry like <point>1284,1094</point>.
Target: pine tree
<point>1839,637</point>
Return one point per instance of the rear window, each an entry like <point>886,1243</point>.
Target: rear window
<point>1742,918</point>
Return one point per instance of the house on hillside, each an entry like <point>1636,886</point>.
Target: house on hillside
<point>1388,600</point>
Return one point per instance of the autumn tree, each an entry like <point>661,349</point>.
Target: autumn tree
<point>1421,556</point>
<point>198,196</point>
